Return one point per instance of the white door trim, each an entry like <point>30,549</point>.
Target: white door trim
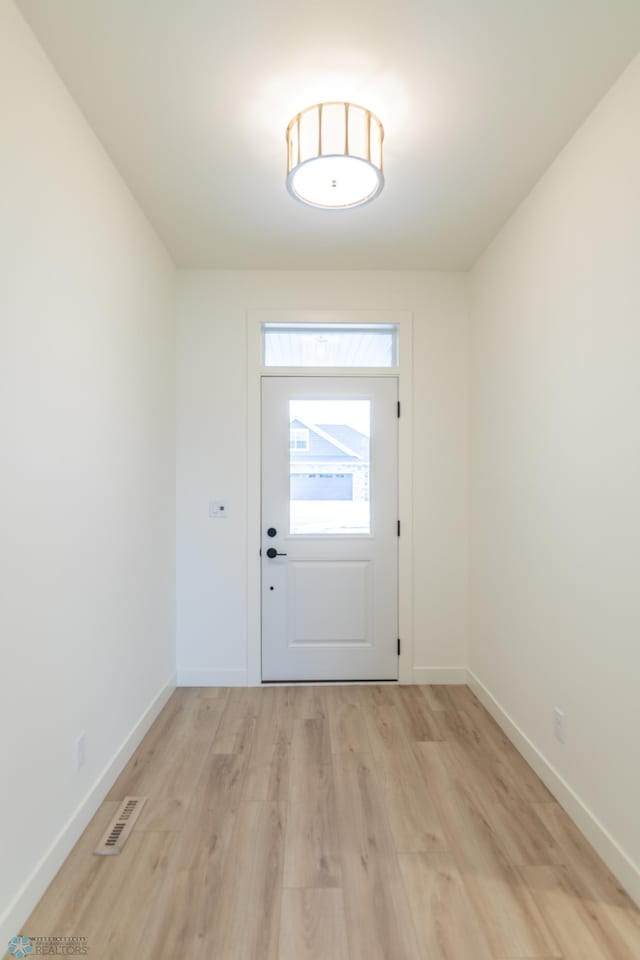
<point>404,373</point>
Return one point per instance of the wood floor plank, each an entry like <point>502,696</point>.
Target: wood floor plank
<point>266,891</point>
<point>563,910</point>
<point>310,702</point>
<point>437,697</point>
<point>508,761</point>
<point>269,762</point>
<point>614,915</point>
<point>460,696</point>
<point>252,876</point>
<point>446,925</point>
<point>420,723</point>
<point>379,925</point>
<point>170,789</point>
<point>483,756</point>
<point>413,819</point>
<point>522,836</point>
<point>617,928</point>
<point>312,847</point>
<point>310,752</point>
<point>312,856</point>
<point>184,907</point>
<point>238,724</point>
<point>490,757</point>
<point>508,914</point>
<point>377,695</point>
<point>76,884</point>
<point>221,787</point>
<point>128,888</point>
<point>347,724</point>
<point>313,926</point>
<point>211,693</point>
<point>588,869</point>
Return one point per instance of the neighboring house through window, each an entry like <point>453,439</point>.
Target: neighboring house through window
<point>298,439</point>
<point>329,461</point>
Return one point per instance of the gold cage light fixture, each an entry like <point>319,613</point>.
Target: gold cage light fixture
<point>334,156</point>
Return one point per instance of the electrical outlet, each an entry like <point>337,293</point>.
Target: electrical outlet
<point>559,724</point>
<point>81,750</point>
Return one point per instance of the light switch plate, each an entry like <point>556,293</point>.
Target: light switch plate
<point>218,509</point>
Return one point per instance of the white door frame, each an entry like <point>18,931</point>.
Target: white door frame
<point>404,372</point>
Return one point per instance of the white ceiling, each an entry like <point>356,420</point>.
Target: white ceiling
<point>191,99</point>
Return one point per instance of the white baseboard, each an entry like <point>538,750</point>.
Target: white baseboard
<point>622,867</point>
<point>23,904</point>
<point>237,677</point>
<point>437,675</point>
<point>211,677</point>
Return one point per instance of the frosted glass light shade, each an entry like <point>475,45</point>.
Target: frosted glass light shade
<point>334,156</point>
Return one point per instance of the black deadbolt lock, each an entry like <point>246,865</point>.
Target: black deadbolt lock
<point>271,532</point>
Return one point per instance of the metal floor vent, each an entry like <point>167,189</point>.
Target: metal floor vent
<point>119,829</point>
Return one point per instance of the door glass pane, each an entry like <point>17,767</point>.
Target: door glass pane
<point>330,345</point>
<point>329,443</point>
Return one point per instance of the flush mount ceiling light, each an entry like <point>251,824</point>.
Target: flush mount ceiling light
<point>334,156</point>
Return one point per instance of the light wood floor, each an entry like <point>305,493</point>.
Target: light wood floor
<point>337,823</point>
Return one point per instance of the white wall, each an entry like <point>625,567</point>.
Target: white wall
<point>212,452</point>
<point>87,479</point>
<point>555,402</point>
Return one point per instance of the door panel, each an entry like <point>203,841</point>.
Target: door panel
<point>329,600</point>
<point>329,520</point>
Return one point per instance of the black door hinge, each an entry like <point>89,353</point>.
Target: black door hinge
<point>398,408</point>
<point>398,646</point>
<point>398,528</point>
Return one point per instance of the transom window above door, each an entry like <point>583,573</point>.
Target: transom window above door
<point>333,345</point>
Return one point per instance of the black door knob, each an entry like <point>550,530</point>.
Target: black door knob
<point>272,553</point>
<point>271,532</point>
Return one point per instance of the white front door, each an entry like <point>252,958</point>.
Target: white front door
<point>329,528</point>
